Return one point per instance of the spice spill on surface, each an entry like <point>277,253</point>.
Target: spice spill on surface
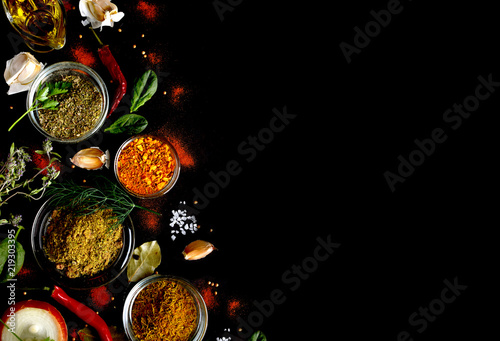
<point>147,10</point>
<point>100,298</point>
<point>83,55</point>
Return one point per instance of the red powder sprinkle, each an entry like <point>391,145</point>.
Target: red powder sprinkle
<point>177,95</point>
<point>100,298</point>
<point>149,221</point>
<point>154,58</point>
<point>180,145</point>
<point>210,298</point>
<point>234,308</point>
<point>147,10</point>
<point>83,55</point>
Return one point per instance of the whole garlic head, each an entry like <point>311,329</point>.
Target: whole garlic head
<point>99,13</point>
<point>20,71</point>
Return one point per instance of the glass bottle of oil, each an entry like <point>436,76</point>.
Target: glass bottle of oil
<point>41,23</point>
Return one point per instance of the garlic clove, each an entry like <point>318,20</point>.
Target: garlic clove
<point>99,13</point>
<point>91,158</point>
<point>197,250</point>
<point>20,71</point>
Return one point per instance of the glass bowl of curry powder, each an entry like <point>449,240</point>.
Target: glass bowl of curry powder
<point>81,251</point>
<point>161,307</point>
<point>147,166</point>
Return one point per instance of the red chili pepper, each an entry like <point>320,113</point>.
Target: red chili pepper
<point>109,61</point>
<point>83,312</point>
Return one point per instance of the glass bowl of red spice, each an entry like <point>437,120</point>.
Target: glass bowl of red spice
<point>184,314</point>
<point>82,106</point>
<point>147,166</point>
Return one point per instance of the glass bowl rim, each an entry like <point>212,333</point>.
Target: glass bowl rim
<point>200,304</point>
<point>62,66</point>
<point>168,186</point>
<point>104,277</point>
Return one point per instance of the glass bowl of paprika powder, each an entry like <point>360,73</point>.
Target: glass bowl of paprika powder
<point>147,166</point>
<point>80,111</point>
<point>184,312</point>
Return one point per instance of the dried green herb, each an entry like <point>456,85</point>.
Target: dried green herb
<point>42,100</point>
<point>78,110</point>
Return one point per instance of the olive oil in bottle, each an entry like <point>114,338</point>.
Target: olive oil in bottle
<point>41,23</point>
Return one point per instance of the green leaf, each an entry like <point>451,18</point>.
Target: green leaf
<point>6,258</point>
<point>258,336</point>
<point>129,123</point>
<point>145,259</point>
<point>144,88</point>
<point>49,104</point>
<point>43,95</point>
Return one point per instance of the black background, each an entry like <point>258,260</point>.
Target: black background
<point>324,174</point>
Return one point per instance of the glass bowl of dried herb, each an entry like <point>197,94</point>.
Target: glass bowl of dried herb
<point>147,166</point>
<point>68,101</point>
<point>81,250</point>
<point>184,317</point>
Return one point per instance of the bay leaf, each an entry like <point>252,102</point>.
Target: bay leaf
<point>145,259</point>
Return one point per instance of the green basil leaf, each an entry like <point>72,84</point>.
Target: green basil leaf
<point>144,88</point>
<point>4,259</point>
<point>129,123</point>
<point>258,336</point>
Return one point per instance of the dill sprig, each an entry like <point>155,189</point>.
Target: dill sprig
<point>85,200</point>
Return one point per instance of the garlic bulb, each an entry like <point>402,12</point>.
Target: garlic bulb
<point>197,250</point>
<point>20,71</point>
<point>99,13</point>
<point>91,158</point>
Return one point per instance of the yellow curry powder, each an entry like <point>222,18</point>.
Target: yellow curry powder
<point>146,165</point>
<point>82,245</point>
<point>164,310</point>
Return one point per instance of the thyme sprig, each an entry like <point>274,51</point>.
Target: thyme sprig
<point>42,100</point>
<point>87,200</point>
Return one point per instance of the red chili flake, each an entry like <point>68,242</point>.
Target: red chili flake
<point>100,298</point>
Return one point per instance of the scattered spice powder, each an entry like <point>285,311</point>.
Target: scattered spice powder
<point>100,298</point>
<point>178,316</point>
<point>146,165</point>
<point>148,10</point>
<point>83,55</point>
<point>235,308</point>
<point>154,58</point>
<point>210,298</point>
<point>82,245</point>
<point>180,144</point>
